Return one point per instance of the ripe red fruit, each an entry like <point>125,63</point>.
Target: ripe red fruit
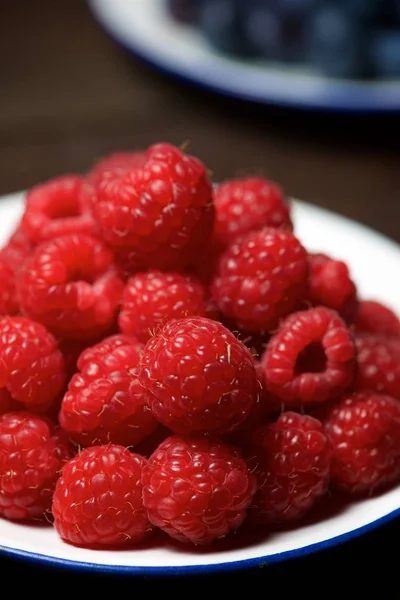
<point>152,299</point>
<point>197,489</point>
<point>98,498</point>
<point>291,461</point>
<point>378,364</point>
<point>261,278</point>
<point>156,216</point>
<point>8,295</point>
<point>199,377</point>
<point>31,365</point>
<point>374,317</point>
<point>310,359</point>
<point>364,433</point>
<point>71,286</point>
<point>249,204</point>
<point>105,401</point>
<point>32,452</point>
<point>116,163</point>
<point>16,251</point>
<point>330,285</point>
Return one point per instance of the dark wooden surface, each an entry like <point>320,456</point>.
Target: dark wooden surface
<point>69,95</point>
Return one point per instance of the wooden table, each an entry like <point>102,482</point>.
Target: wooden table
<point>69,95</point>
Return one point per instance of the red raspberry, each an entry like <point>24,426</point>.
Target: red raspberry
<point>159,215</point>
<point>311,359</point>
<point>197,489</point>
<point>153,299</point>
<point>54,208</point>
<point>261,278</point>
<point>364,432</point>
<point>200,378</point>
<point>16,251</point>
<point>374,317</point>
<point>8,295</point>
<point>116,163</point>
<point>31,365</point>
<point>330,285</point>
<point>105,401</point>
<point>244,205</point>
<point>7,402</point>
<point>32,452</point>
<point>378,359</point>
<point>70,286</point>
<point>98,498</point>
<point>292,465</point>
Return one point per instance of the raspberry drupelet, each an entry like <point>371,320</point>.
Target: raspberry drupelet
<point>199,377</point>
<point>71,286</point>
<point>159,215</point>
<point>364,433</point>
<point>248,204</point>
<point>378,364</point>
<point>197,489</point>
<point>330,285</point>
<point>98,498</point>
<point>32,453</point>
<point>9,304</point>
<point>261,278</point>
<point>16,251</point>
<point>32,367</point>
<point>311,359</point>
<point>116,163</point>
<point>291,460</point>
<point>152,299</point>
<point>55,208</point>
<point>375,317</point>
<point>105,401</point>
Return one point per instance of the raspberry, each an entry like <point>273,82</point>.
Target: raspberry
<point>116,163</point>
<point>197,489</point>
<point>98,498</point>
<point>70,286</point>
<point>8,294</point>
<point>32,452</point>
<point>153,299</point>
<point>364,432</point>
<point>244,205</point>
<point>54,208</point>
<point>378,359</point>
<point>374,317</point>
<point>311,359</point>
<point>159,215</point>
<point>16,251</point>
<point>261,278</point>
<point>105,401</point>
<point>7,402</point>
<point>330,285</point>
<point>31,365</point>
<point>200,378</point>
<point>292,466</point>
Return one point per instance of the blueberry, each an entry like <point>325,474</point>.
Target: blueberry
<point>184,11</point>
<point>335,43</point>
<point>385,53</point>
<point>263,28</point>
<point>222,23</point>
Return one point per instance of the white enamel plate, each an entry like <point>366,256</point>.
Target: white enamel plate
<point>373,260</point>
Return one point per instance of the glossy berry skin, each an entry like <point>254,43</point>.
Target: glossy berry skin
<point>378,364</point>
<point>197,489</point>
<point>311,358</point>
<point>156,216</point>
<point>54,208</point>
<point>32,453</point>
<point>375,317</point>
<point>330,285</point>
<point>105,401</point>
<point>116,163</point>
<point>198,376</point>
<point>152,299</point>
<point>292,459</point>
<point>244,205</point>
<point>9,304</point>
<point>31,365</point>
<point>261,278</point>
<point>98,498</point>
<point>364,433</point>
<point>71,286</point>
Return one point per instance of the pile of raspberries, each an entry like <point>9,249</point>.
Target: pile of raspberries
<point>172,357</point>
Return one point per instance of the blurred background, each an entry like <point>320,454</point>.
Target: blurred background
<point>320,78</point>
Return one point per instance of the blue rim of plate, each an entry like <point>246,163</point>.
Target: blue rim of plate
<point>261,561</point>
<point>338,96</point>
